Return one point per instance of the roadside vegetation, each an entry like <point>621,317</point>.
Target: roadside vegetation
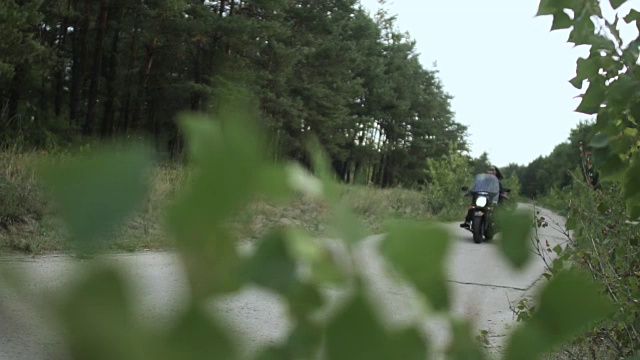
<point>593,179</point>
<point>29,222</point>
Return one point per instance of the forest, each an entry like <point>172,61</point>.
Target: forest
<point>73,71</point>
<point>78,72</point>
<point>554,171</point>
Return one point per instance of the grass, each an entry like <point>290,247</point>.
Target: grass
<point>28,222</point>
<point>592,347</point>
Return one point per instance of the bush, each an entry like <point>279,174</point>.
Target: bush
<point>444,194</point>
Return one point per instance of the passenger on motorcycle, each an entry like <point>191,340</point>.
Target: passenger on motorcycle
<point>492,170</point>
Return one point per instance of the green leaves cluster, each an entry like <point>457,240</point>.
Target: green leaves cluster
<point>19,44</point>
<point>607,244</point>
<point>613,89</point>
<point>448,175</point>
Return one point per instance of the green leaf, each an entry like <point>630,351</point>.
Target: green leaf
<point>576,82</point>
<point>197,336</point>
<point>633,15</point>
<point>558,312</point>
<point>272,266</point>
<point>546,7</point>
<point>600,42</point>
<point>613,28</point>
<point>417,251</point>
<point>277,352</point>
<point>622,144</point>
<point>558,316</point>
<point>346,226</point>
<point>305,340</point>
<point>303,299</point>
<point>604,121</point>
<point>98,191</point>
<point>633,207</point>
<point>274,182</point>
<point>516,227</point>
<point>557,249</point>
<point>322,169</point>
<point>586,69</point>
<point>303,343</point>
<point>302,180</point>
<point>552,7</point>
<point>526,343</point>
<point>101,298</point>
<point>610,165</point>
<point>463,346</point>
<point>603,208</point>
<point>583,31</point>
<point>561,21</point>
<point>316,255</point>
<point>622,90</point>
<point>571,223</point>
<point>616,3</point>
<point>599,140</point>
<point>592,8</point>
<point>407,344</point>
<point>225,161</point>
<point>226,154</point>
<point>631,53</point>
<point>631,182</point>
<point>593,97</point>
<point>356,333</point>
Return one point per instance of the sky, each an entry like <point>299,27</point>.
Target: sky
<point>508,74</point>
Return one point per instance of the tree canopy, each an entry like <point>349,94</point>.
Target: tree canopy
<point>553,171</point>
<point>78,69</point>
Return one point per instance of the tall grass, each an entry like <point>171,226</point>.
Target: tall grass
<point>24,224</point>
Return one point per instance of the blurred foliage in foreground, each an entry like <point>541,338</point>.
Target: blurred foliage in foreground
<point>226,156</point>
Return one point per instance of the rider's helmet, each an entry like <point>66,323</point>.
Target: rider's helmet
<point>493,170</point>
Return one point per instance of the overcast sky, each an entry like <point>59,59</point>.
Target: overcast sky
<point>507,72</point>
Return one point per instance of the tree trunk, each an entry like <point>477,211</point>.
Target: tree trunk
<point>44,94</point>
<point>59,76</point>
<point>15,93</point>
<point>152,119</point>
<point>176,143</point>
<point>106,128</point>
<point>78,58</point>
<point>382,169</point>
<point>337,169</point>
<point>360,173</point>
<point>125,112</point>
<point>142,94</point>
<point>89,124</point>
<point>197,78</point>
<point>346,171</point>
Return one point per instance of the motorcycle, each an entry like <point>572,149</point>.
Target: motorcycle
<point>485,195</point>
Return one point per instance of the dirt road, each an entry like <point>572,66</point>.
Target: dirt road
<point>482,282</point>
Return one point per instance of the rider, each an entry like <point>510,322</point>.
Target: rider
<point>492,170</point>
